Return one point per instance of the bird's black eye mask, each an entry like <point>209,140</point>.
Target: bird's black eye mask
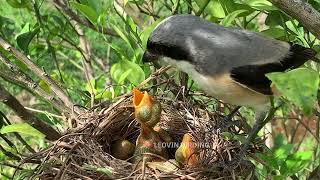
<point>149,56</point>
<point>156,50</point>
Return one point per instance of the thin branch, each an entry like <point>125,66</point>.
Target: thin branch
<point>203,8</point>
<point>23,80</point>
<point>3,136</point>
<point>14,104</point>
<point>39,72</point>
<point>11,165</point>
<point>133,10</point>
<point>144,10</point>
<point>9,154</point>
<point>175,8</point>
<point>86,58</point>
<point>44,112</point>
<point>308,129</point>
<point>315,174</point>
<point>65,8</point>
<point>303,12</point>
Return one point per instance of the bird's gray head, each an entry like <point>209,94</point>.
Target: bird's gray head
<point>169,37</point>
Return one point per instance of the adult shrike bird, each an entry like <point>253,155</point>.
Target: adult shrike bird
<point>227,63</point>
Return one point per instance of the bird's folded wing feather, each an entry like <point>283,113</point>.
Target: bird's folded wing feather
<point>253,76</point>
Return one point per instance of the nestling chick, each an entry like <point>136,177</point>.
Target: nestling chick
<point>147,113</point>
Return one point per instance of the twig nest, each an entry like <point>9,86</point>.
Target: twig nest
<point>101,147</point>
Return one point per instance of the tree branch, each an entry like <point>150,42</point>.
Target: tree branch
<point>50,133</point>
<point>64,8</point>
<point>303,12</point>
<point>23,80</point>
<point>84,46</point>
<point>132,10</point>
<point>9,154</point>
<point>39,72</point>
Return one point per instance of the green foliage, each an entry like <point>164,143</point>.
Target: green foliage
<point>260,4</point>
<point>20,4</point>
<point>127,70</point>
<point>24,39</point>
<point>227,21</point>
<point>22,128</point>
<point>283,162</point>
<point>87,11</point>
<point>299,85</point>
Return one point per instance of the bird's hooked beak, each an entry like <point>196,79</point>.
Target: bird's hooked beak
<point>149,57</point>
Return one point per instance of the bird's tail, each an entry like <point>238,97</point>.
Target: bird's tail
<point>298,56</point>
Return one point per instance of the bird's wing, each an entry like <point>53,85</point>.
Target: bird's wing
<point>253,76</point>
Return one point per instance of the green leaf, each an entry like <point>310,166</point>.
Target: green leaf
<point>299,86</point>
<point>315,4</point>
<point>278,177</point>
<point>269,160</point>
<point>282,152</point>
<point>127,70</point>
<point>22,128</point>
<point>278,141</point>
<point>57,21</point>
<point>227,21</point>
<point>274,18</point>
<point>227,135</point>
<point>296,162</point>
<point>14,3</point>
<point>294,29</point>
<point>123,36</point>
<point>94,4</point>
<point>144,35</point>
<point>24,39</point>
<point>230,5</point>
<point>260,4</point>
<point>214,8</point>
<point>20,4</point>
<point>274,32</point>
<point>120,52</point>
<point>90,87</point>
<point>87,11</point>
<point>125,2</point>
<point>124,75</point>
<point>137,75</point>
<point>104,95</point>
<point>7,26</point>
<point>317,48</point>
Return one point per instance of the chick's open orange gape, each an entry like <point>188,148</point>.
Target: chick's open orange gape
<point>140,99</point>
<point>142,105</point>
